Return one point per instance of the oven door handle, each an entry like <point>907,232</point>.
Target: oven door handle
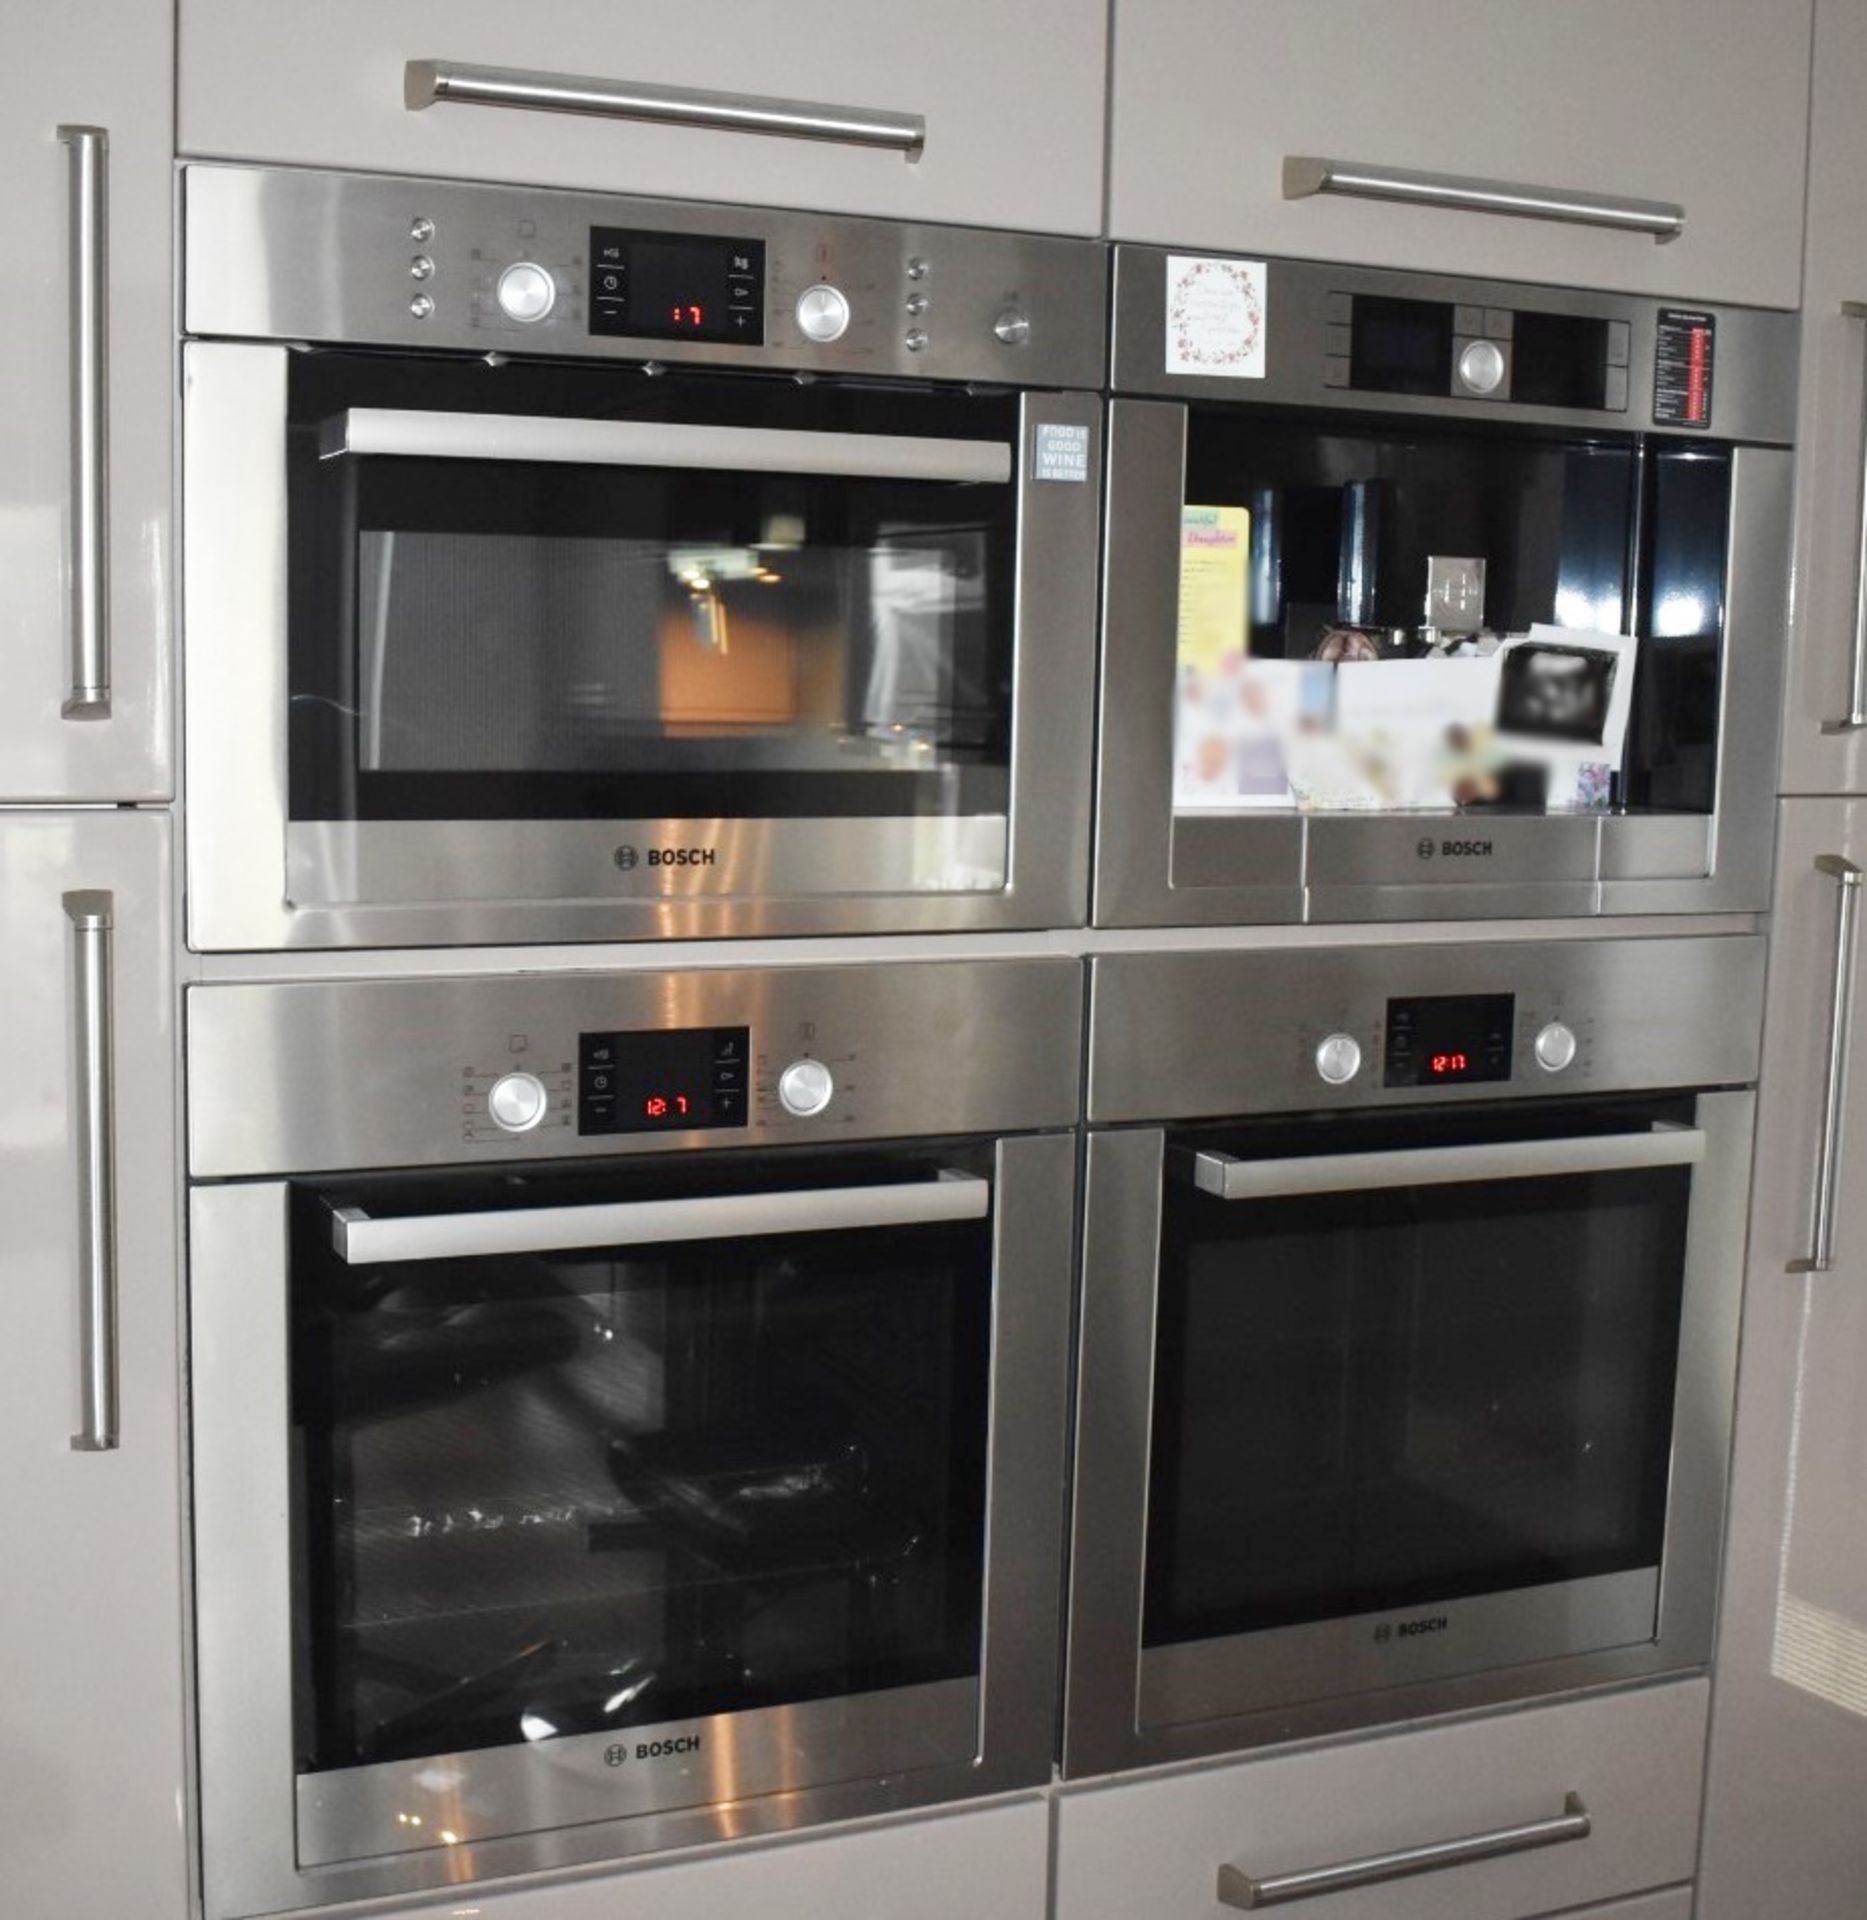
<point>1664,1144</point>
<point>363,1241</point>
<point>428,435</point>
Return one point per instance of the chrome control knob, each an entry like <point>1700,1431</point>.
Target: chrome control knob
<point>1555,1047</point>
<point>1338,1059</point>
<point>517,1102</point>
<point>1012,327</point>
<point>526,291</point>
<point>805,1088</point>
<point>1481,367</point>
<point>822,313</point>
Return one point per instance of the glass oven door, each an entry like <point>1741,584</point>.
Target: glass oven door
<point>663,1489</point>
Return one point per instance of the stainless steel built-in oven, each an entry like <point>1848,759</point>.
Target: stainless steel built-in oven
<point>1408,1333</point>
<point>564,567</point>
<point>628,1411</point>
<point>1429,598</point>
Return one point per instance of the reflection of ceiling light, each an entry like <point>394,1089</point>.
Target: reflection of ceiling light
<point>765,577</point>
<point>535,1726</point>
<point>700,583</point>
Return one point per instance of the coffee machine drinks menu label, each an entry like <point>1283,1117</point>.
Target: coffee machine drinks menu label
<point>1684,349</point>
<point>1216,317</point>
<point>1215,543</point>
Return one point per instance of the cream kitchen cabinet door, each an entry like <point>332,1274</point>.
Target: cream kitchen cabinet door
<point>91,1730</point>
<point>1698,103</point>
<point>1784,1833</point>
<point>1012,98</point>
<point>85,577</point>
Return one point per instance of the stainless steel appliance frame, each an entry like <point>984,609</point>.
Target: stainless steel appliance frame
<point>277,259</point>
<point>1156,869</point>
<point>1681,1013</point>
<point>272,1842</point>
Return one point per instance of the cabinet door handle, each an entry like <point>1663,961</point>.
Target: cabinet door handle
<point>1855,719</point>
<point>1303,176</point>
<point>1238,1889</point>
<point>91,916</point>
<point>87,154</point>
<point>1821,1255</point>
<point>425,82</point>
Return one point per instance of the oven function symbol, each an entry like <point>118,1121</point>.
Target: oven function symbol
<point>517,1102</point>
<point>526,291</point>
<point>1555,1047</point>
<point>823,313</point>
<point>805,1088</point>
<point>1338,1059</point>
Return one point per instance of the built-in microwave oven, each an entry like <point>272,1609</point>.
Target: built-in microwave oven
<point>632,1415</point>
<point>1436,598</point>
<point>1409,1332</point>
<point>564,567</point>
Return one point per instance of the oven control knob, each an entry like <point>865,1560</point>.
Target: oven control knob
<point>1012,327</point>
<point>1481,367</point>
<point>805,1087</point>
<point>526,291</point>
<point>517,1102</point>
<point>1555,1047</point>
<point>822,313</point>
<point>1338,1059</point>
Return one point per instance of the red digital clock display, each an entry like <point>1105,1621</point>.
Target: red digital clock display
<point>689,318</point>
<point>671,1080</point>
<point>667,1106</point>
<point>1447,1066</point>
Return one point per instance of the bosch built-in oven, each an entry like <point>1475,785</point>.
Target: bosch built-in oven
<point>628,1411</point>
<point>1433,598</point>
<point>566,567</point>
<point>1409,1327</point>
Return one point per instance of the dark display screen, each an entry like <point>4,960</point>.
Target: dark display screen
<point>676,286</point>
<point>663,1081</point>
<point>1559,360</point>
<point>1449,1040</point>
<point>1400,346</point>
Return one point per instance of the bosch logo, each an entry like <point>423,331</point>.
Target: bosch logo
<point>1409,1629</point>
<point>626,858</point>
<point>1425,849</point>
<point>682,856</point>
<point>662,1749</point>
<point>1466,849</point>
<point>1383,1634</point>
<point>615,1756</point>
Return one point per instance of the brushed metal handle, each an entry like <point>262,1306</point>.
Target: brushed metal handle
<point>1855,719</point>
<point>1304,176</point>
<point>92,917</point>
<point>87,154</point>
<point>432,435</point>
<point>425,82</point>
<point>362,1240</point>
<point>1664,1144</point>
<point>1821,1255</point>
<point>1241,1890</point>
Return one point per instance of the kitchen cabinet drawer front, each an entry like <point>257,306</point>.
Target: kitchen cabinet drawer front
<point>994,1861</point>
<point>85,122</point>
<point>91,1771</point>
<point>1701,103</point>
<point>1012,98</point>
<point>1632,1759</point>
<point>1827,684</point>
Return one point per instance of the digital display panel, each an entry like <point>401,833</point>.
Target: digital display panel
<point>677,286</point>
<point>1450,1039</point>
<point>1400,346</point>
<point>665,1081</point>
<point>1560,360</point>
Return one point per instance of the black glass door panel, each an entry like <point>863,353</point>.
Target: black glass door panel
<point>490,639</point>
<point>1381,1400</point>
<point>563,1492</point>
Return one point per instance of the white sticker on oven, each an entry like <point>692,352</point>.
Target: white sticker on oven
<point>1215,317</point>
<point>1061,453</point>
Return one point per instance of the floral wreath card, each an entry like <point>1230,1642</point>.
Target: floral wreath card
<point>1215,316</point>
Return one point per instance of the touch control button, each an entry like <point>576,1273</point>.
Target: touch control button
<point>1481,367</point>
<point>526,291</point>
<point>1338,1059</point>
<point>517,1102</point>
<point>805,1087</point>
<point>822,313</point>
<point>1555,1047</point>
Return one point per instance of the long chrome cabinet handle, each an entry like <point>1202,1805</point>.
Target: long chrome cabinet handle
<point>87,151</point>
<point>1821,1255</point>
<point>1304,176</point>
<point>627,1223</point>
<point>427,435</point>
<point>1665,1144</point>
<point>1238,1889</point>
<point>424,82</point>
<point>1855,720</point>
<point>92,916</point>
